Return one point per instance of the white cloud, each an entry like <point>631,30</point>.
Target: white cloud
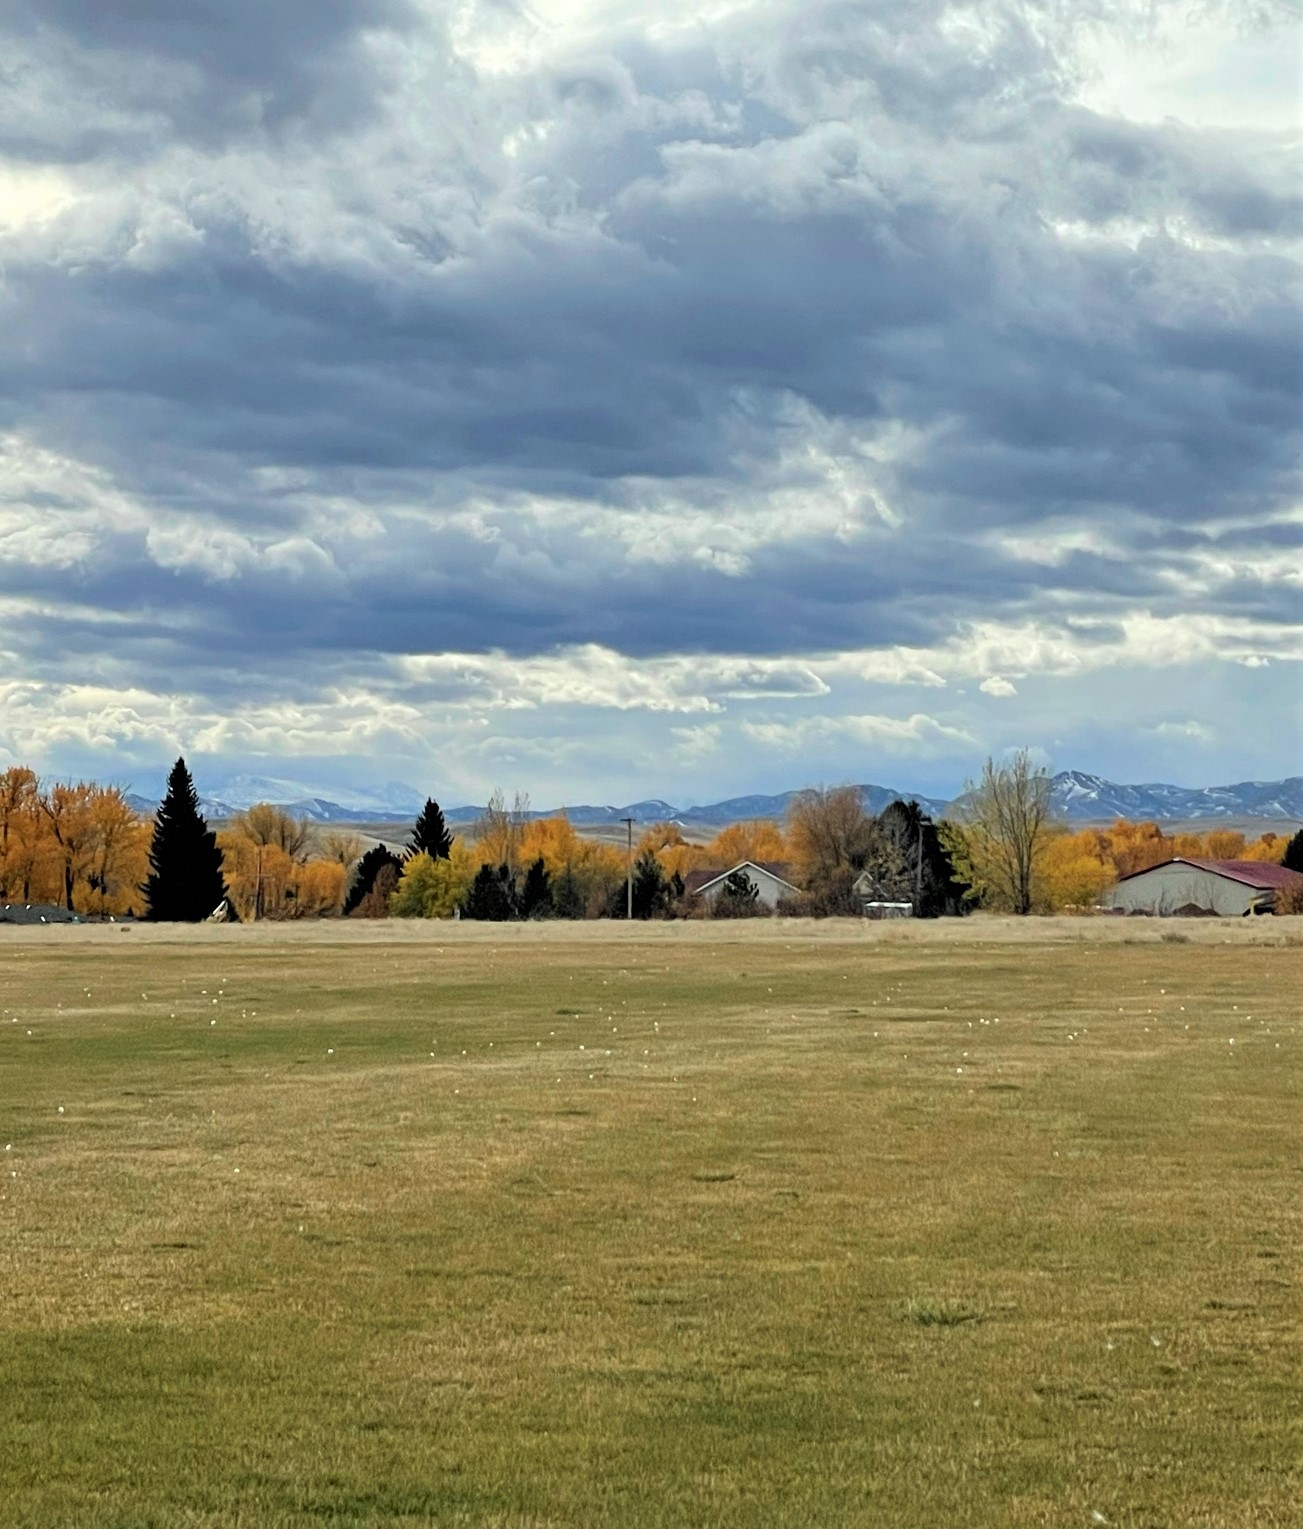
<point>596,369</point>
<point>1083,645</point>
<point>693,745</point>
<point>917,735</point>
<point>594,676</point>
<point>1191,732</point>
<point>1212,69</point>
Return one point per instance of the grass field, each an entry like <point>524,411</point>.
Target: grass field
<point>778,1226</point>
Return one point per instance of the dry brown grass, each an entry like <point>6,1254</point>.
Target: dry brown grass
<point>984,1223</point>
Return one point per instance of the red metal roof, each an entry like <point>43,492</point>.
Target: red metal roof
<point>1250,873</point>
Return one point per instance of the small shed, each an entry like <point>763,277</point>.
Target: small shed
<point>878,909</point>
<point>1226,888</point>
<point>768,877</point>
<point>878,901</point>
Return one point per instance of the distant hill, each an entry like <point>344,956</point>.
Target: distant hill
<point>1086,798</point>
<point>1077,797</point>
<point>392,803</point>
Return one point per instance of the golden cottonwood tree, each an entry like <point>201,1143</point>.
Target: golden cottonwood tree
<point>673,853</point>
<point>118,855</point>
<point>80,845</point>
<point>756,839</point>
<point>1070,873</point>
<point>67,815</point>
<point>554,839</point>
<point>499,830</point>
<point>269,870</point>
<point>591,869</point>
<point>19,833</point>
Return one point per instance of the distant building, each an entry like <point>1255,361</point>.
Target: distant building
<point>768,877</point>
<point>876,901</point>
<point>1228,888</point>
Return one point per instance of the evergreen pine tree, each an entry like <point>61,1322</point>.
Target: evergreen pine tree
<point>1293,860</point>
<point>650,889</point>
<point>536,894</point>
<point>185,881</point>
<point>568,900</point>
<point>492,895</point>
<point>739,897</point>
<point>364,878</point>
<point>430,835</point>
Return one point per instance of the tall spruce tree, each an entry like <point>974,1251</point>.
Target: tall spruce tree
<point>185,881</point>
<point>430,835</point>
<point>492,895</point>
<point>1293,857</point>
<point>568,900</point>
<point>536,894</point>
<point>651,892</point>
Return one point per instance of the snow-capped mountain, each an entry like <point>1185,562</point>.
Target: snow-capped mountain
<point>242,791</point>
<point>1077,797</point>
<point>1089,798</point>
<point>224,797</point>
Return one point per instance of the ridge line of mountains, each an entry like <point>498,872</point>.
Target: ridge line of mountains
<point>1076,798</point>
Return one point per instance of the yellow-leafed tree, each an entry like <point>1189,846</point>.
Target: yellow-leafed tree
<point>674,854</point>
<point>1070,873</point>
<point>430,888</point>
<point>20,835</point>
<point>1224,844</point>
<point>265,860</point>
<point>757,839</point>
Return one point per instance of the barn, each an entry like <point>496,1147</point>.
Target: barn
<point>1228,888</point>
<point>769,877</point>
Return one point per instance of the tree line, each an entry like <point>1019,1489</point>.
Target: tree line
<point>82,846</point>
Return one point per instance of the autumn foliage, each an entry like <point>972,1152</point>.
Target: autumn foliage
<point>79,846</point>
<point>1073,870</point>
<point>83,847</point>
<point>271,868</point>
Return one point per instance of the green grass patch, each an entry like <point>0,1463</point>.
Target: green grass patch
<point>754,1230</point>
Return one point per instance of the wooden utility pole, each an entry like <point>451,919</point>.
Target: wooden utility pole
<point>628,823</point>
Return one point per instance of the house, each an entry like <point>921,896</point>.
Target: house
<point>1228,888</point>
<point>768,877</point>
<point>877,901</point>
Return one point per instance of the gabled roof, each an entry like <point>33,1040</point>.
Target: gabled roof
<point>1250,873</point>
<point>696,882</point>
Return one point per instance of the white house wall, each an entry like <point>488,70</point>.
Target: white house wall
<point>768,887</point>
<point>1166,888</point>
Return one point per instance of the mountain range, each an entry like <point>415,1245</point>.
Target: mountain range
<point>1077,798</point>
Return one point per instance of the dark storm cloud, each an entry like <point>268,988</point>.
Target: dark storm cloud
<point>693,268</point>
<point>90,78</point>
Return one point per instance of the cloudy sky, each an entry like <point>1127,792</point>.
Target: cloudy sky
<point>599,398</point>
